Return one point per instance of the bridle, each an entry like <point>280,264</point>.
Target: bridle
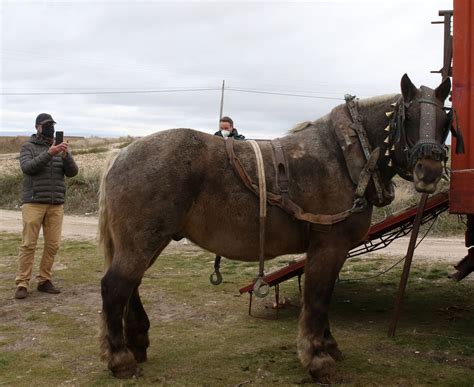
<point>398,142</point>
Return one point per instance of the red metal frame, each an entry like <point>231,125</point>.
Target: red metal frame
<point>383,233</point>
<point>461,196</point>
<point>462,178</point>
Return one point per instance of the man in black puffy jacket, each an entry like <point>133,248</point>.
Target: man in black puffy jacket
<point>44,165</point>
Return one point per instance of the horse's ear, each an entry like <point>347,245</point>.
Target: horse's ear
<point>442,91</point>
<point>409,90</point>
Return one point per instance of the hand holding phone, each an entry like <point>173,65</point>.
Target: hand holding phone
<point>59,137</point>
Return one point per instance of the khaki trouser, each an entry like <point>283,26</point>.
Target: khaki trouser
<point>35,216</point>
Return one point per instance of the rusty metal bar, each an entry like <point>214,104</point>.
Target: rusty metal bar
<point>406,267</point>
<point>446,70</point>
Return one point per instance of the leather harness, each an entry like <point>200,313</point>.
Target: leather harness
<point>282,198</point>
<point>360,159</point>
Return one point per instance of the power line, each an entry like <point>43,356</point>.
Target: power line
<point>168,91</point>
<point>114,92</point>
<point>285,94</point>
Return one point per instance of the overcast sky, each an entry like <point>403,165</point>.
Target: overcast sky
<point>320,49</point>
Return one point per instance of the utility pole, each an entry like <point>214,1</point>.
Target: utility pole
<point>222,105</point>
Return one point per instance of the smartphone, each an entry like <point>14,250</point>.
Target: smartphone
<point>59,137</point>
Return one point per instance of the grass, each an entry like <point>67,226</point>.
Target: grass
<point>202,334</point>
<point>90,150</point>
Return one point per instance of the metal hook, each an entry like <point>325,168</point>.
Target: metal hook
<point>261,288</point>
<point>216,278</point>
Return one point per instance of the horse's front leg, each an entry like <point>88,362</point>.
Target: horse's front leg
<point>317,349</point>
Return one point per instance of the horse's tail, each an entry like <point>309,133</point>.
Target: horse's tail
<point>105,238</point>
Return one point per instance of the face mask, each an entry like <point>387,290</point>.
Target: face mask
<point>225,133</point>
<point>48,131</point>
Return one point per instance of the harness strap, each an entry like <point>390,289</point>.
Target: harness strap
<point>367,173</point>
<point>262,194</point>
<point>281,168</point>
<point>364,141</point>
<point>287,204</point>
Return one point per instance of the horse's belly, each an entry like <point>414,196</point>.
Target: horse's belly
<point>232,231</point>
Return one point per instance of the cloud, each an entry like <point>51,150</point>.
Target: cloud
<point>311,48</point>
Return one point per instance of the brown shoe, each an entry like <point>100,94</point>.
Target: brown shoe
<point>48,287</point>
<point>21,292</point>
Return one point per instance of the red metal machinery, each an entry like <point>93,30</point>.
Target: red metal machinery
<point>459,50</point>
<point>380,235</point>
<point>462,178</point>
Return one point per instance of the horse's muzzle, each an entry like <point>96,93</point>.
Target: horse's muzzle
<point>426,174</point>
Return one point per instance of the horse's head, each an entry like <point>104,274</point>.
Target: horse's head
<point>419,128</point>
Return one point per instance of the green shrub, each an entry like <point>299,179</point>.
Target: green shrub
<point>90,150</point>
<point>10,190</point>
<point>125,141</point>
<point>81,192</point>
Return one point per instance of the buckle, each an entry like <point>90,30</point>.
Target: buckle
<point>360,205</point>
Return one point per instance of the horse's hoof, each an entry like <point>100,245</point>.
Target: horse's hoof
<point>123,365</point>
<point>335,353</point>
<point>322,368</point>
<point>140,356</point>
<point>127,373</point>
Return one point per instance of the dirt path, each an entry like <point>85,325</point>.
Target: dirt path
<point>74,227</point>
<point>85,227</point>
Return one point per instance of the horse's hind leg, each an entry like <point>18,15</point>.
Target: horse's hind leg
<point>136,320</point>
<point>136,329</point>
<point>116,291</point>
<point>317,349</point>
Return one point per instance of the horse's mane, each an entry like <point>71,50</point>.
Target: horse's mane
<point>303,125</point>
<point>368,102</point>
<point>364,103</point>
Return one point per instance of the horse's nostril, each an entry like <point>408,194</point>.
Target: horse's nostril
<point>419,170</point>
<point>428,173</point>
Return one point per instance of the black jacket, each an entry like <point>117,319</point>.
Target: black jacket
<point>233,134</point>
<point>43,174</point>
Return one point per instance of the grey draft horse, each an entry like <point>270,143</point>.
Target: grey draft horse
<point>178,183</point>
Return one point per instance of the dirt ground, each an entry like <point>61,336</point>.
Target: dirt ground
<point>85,227</point>
<point>52,340</point>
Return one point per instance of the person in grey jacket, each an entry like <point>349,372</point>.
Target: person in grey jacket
<point>44,165</point>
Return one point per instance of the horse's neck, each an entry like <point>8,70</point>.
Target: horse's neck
<point>375,119</point>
